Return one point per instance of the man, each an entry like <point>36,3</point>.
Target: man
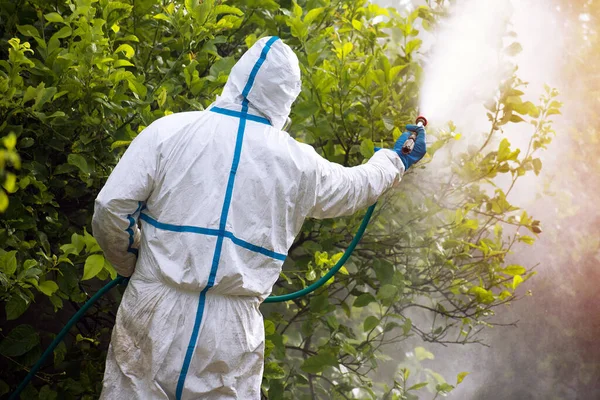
<point>221,194</point>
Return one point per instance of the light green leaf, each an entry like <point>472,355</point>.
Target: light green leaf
<point>80,162</point>
<point>418,386</point>
<point>63,32</point>
<point>54,17</point>
<point>367,148</point>
<point>274,371</point>
<point>513,270</point>
<point>127,49</point>
<point>120,143</point>
<point>296,9</point>
<point>269,327</point>
<point>28,30</point>
<point>8,262</point>
<point>93,265</point>
<point>48,287</point>
<point>517,280</point>
<point>123,63</point>
<point>460,377</point>
<point>444,388</point>
<point>162,17</point>
<point>526,239</point>
<point>422,354</point>
<point>313,14</point>
<point>387,292</point>
<point>225,9</point>
<point>370,323</point>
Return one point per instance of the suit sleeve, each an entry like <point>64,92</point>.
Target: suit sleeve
<point>344,190</point>
<point>120,201</point>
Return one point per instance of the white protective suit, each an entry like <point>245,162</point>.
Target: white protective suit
<point>221,194</point>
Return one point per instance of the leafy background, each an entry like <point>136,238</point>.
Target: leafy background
<point>79,79</point>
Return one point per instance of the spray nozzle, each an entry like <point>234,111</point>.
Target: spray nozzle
<point>409,145</point>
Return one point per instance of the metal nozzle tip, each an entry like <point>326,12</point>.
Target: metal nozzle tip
<point>422,119</point>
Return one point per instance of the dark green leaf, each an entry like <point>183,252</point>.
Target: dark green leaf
<point>19,341</point>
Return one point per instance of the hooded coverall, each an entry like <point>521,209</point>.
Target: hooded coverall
<point>221,194</point>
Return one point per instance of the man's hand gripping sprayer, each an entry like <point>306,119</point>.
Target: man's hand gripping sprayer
<point>409,145</point>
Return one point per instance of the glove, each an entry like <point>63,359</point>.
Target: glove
<point>419,149</point>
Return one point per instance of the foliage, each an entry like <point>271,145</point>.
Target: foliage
<point>79,79</point>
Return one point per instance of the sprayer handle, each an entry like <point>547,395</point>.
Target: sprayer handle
<point>409,145</point>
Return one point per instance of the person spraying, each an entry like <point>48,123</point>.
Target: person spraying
<point>220,195</point>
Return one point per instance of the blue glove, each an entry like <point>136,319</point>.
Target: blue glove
<point>419,149</point>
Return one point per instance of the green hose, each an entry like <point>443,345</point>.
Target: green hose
<point>120,279</point>
<point>334,269</point>
<point>63,333</point>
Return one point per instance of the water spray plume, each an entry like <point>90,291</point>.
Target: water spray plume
<point>462,67</point>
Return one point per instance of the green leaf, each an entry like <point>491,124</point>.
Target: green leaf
<point>526,239</point>
<point>120,143</point>
<point>515,118</point>
<point>162,17</point>
<point>413,45</point>
<point>269,327</point>
<point>59,353</point>
<point>513,270</point>
<point>296,9</point>
<point>422,354</point>
<point>123,63</point>
<point>367,148</point>
<point>93,265</point>
<point>8,262</point>
<point>370,323</point>
<point>28,30</point>
<point>444,388</point>
<point>64,32</point>
<point>537,165</point>
<point>54,17</point>
<point>460,377</point>
<point>225,9</point>
<point>363,300</point>
<point>80,162</point>
<point>136,86</point>
<point>313,14</point>
<point>19,341</point>
<point>3,201</point>
<point>48,287</point>
<point>274,371</point>
<point>418,386</point>
<point>387,292</point>
<point>317,363</point>
<point>15,307</point>
<point>127,49</point>
<point>517,280</point>
<point>407,326</point>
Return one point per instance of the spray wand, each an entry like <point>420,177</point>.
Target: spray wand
<point>409,145</point>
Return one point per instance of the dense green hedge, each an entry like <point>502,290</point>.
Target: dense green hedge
<point>80,78</point>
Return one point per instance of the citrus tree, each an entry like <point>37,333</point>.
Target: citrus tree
<point>79,79</point>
